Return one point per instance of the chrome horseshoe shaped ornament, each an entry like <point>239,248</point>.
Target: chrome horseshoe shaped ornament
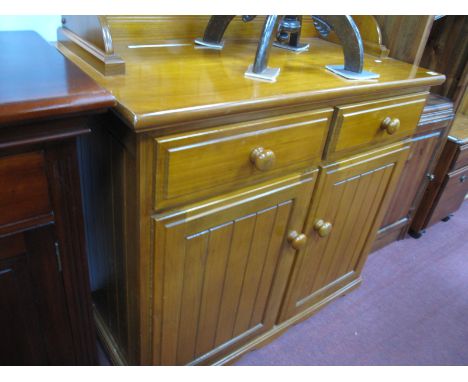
<point>287,36</point>
<point>351,41</point>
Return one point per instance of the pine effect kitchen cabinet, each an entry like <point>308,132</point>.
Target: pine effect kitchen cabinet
<point>222,210</point>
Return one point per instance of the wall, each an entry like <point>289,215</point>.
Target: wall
<point>46,26</point>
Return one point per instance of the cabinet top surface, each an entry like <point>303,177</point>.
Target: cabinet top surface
<point>459,129</point>
<point>36,81</point>
<point>177,82</point>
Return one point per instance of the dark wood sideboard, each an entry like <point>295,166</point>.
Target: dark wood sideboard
<point>426,146</point>
<point>449,188</point>
<point>45,302</point>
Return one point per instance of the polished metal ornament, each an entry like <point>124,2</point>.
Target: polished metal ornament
<point>348,33</point>
<point>288,37</point>
<point>289,34</point>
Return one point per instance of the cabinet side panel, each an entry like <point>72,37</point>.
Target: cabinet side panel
<point>103,168</point>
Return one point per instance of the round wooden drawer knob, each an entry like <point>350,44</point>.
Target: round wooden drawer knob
<point>262,159</point>
<point>322,228</point>
<point>390,125</point>
<point>297,240</point>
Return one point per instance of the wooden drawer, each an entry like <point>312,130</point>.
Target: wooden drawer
<point>462,158</point>
<point>454,191</point>
<point>362,125</point>
<point>195,165</point>
<point>24,190</point>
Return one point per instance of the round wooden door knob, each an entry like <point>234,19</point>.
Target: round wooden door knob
<point>323,228</point>
<point>297,240</point>
<point>262,159</point>
<point>390,125</point>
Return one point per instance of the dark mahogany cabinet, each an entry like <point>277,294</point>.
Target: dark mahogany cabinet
<point>45,305</point>
<point>425,149</point>
<point>34,318</point>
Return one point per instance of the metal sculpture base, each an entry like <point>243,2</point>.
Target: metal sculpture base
<point>299,48</point>
<point>269,74</point>
<point>209,45</point>
<point>340,70</point>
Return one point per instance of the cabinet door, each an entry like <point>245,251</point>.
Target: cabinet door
<point>34,323</point>
<point>350,199</point>
<point>453,193</point>
<point>221,269</point>
<point>412,183</point>
<point>412,178</point>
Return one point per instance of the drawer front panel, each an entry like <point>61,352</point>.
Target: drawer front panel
<point>462,159</point>
<point>196,165</point>
<point>374,123</point>
<point>24,190</point>
<point>455,190</point>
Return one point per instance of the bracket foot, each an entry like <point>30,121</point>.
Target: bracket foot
<point>209,45</point>
<point>299,48</point>
<point>269,74</point>
<point>340,70</point>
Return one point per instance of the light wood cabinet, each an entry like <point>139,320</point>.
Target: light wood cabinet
<point>221,270</point>
<point>200,164</point>
<point>351,196</point>
<point>365,125</point>
<point>208,233</point>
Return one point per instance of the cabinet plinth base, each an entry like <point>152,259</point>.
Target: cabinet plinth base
<point>118,359</point>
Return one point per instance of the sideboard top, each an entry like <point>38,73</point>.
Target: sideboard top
<point>459,130</point>
<point>174,82</point>
<point>36,81</point>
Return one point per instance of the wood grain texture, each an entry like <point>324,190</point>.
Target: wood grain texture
<point>189,238</point>
<point>389,233</point>
<point>371,35</point>
<point>43,99</point>
<point>207,162</point>
<point>444,196</point>
<point>426,146</point>
<point>452,194</point>
<point>89,38</point>
<point>64,185</point>
<point>43,131</point>
<point>351,195</point>
<point>405,36</point>
<point>24,190</point>
<point>161,28</point>
<point>36,81</point>
<point>414,176</point>
<point>181,84</point>
<point>459,129</point>
<point>31,288</point>
<point>446,52</point>
<point>462,158</point>
<point>432,191</point>
<point>108,281</point>
<point>452,157</point>
<point>359,126</point>
<point>437,114</point>
<point>220,260</point>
